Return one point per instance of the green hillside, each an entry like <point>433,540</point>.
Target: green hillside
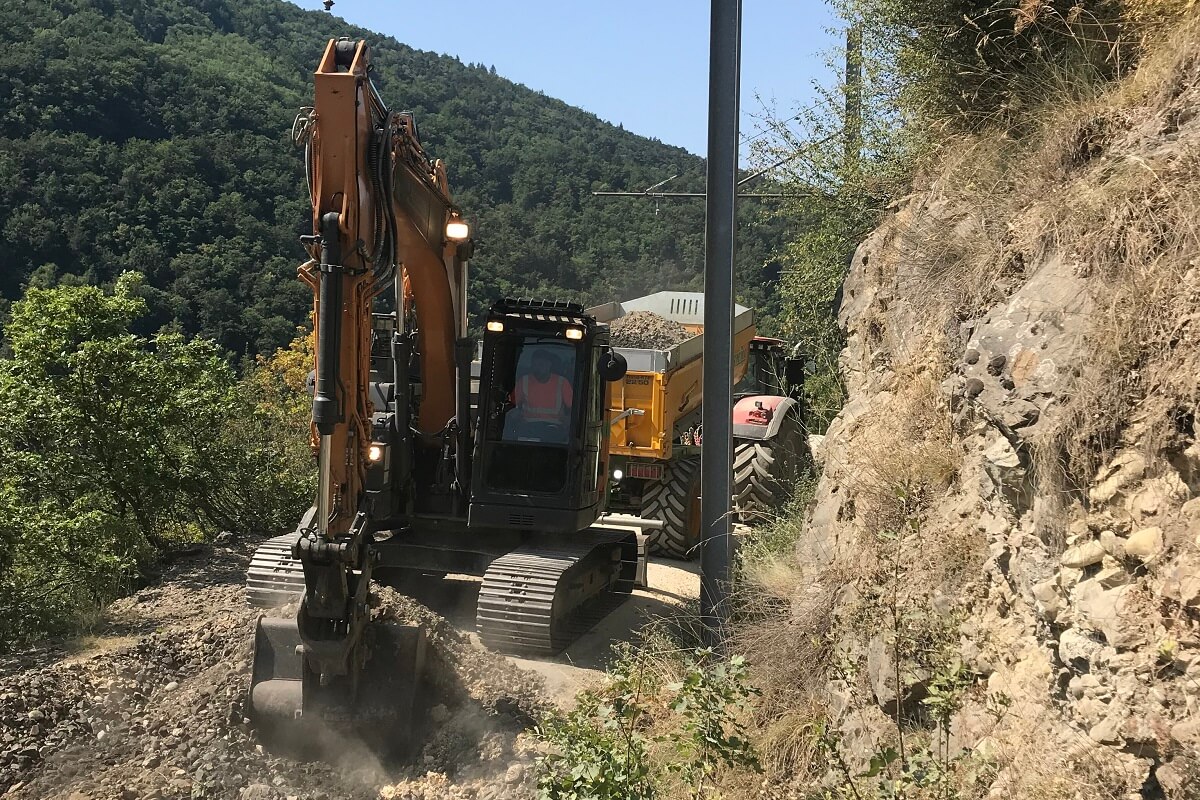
<point>153,135</point>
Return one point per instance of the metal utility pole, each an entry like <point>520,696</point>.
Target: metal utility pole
<point>853,125</point>
<point>716,480</point>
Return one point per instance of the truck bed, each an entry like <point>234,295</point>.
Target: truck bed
<point>686,308</point>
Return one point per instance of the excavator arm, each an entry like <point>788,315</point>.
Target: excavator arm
<point>380,208</point>
<point>382,221</point>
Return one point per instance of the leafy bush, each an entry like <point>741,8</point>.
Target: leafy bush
<point>116,447</point>
<point>599,749</point>
<point>624,739</point>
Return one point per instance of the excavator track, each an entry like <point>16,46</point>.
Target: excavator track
<point>274,578</point>
<point>539,598</point>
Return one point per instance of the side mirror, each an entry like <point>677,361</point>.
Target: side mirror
<point>613,366</point>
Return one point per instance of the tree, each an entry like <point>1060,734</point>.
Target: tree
<point>115,447</point>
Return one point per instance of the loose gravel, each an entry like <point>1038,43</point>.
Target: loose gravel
<point>646,330</point>
<point>165,716</point>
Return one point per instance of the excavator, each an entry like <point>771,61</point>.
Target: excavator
<point>416,472</point>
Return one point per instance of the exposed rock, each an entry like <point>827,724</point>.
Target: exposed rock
<point>1107,731</point>
<point>1180,581</point>
<point>1083,555</point>
<point>1003,465</point>
<point>881,672</point>
<point>1112,544</point>
<point>1144,544</point>
<point>1112,577</point>
<point>1187,732</point>
<point>1048,599</point>
<point>1170,777</point>
<point>1125,469</point>
<point>1109,611</point>
<point>1077,649</point>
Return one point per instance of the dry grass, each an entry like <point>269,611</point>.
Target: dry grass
<point>1129,221</point>
<point>1106,181</point>
<point>904,451</point>
<point>785,633</point>
<point>1036,758</point>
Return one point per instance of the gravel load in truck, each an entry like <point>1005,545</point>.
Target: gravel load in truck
<point>647,331</point>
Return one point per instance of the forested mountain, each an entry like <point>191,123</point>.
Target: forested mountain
<point>153,135</point>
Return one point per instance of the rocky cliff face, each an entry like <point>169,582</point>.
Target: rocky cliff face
<point>1007,528</point>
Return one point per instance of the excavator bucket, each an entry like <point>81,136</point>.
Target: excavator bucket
<point>300,715</point>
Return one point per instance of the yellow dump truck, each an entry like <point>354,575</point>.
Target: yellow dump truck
<point>655,418</point>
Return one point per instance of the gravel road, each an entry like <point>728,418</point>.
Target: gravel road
<point>151,707</point>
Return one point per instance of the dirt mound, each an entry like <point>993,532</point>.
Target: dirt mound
<point>165,717</point>
<point>646,330</point>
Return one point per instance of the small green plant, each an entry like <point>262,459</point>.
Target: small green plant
<point>611,745</point>
<point>598,750</point>
<point>711,734</point>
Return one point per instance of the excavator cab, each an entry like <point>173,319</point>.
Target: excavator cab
<point>539,450</point>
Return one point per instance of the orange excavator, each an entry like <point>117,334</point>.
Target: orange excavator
<point>418,473</point>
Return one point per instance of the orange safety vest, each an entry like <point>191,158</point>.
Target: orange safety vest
<point>544,402</point>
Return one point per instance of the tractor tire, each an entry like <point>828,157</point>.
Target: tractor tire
<point>676,501</point>
<point>764,472</point>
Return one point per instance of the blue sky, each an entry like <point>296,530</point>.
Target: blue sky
<point>642,64</point>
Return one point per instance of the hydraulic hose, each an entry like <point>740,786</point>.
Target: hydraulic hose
<point>325,401</point>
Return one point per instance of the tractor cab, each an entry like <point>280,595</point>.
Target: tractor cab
<point>770,371</point>
<point>539,461</point>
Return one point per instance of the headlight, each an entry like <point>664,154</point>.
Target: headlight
<point>618,474</point>
<point>375,453</point>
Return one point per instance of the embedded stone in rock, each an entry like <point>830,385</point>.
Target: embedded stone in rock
<point>1112,544</point>
<point>881,671</point>
<point>1145,544</point>
<point>1112,577</point>
<point>1123,470</point>
<point>1187,732</point>
<point>1109,611</point>
<point>1083,555</point>
<point>1170,777</point>
<point>1181,581</point>
<point>1048,601</point>
<point>1107,731</point>
<point>1078,650</point>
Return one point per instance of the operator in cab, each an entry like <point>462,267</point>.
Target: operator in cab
<point>544,398</point>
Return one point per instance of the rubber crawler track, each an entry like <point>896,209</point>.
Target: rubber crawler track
<point>539,598</point>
